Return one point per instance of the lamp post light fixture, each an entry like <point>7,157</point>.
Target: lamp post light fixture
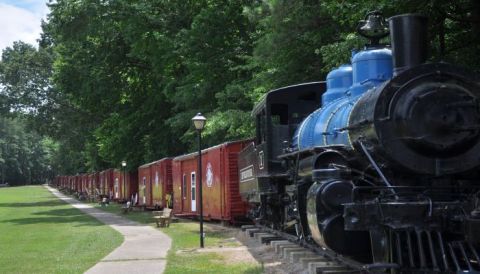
<point>124,165</point>
<point>199,122</point>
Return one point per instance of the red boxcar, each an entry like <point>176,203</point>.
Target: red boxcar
<point>84,183</point>
<point>78,183</point>
<point>221,197</point>
<point>117,190</point>
<point>70,182</point>
<point>96,183</point>
<point>106,183</point>
<point>161,188</point>
<point>145,185</point>
<point>132,182</point>
<point>103,184</point>
<point>127,184</point>
<point>89,185</point>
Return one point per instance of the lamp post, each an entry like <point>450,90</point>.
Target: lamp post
<point>199,123</point>
<point>124,165</point>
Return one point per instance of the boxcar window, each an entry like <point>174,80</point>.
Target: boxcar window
<point>261,124</point>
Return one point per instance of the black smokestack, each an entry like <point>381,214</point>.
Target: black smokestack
<point>408,35</point>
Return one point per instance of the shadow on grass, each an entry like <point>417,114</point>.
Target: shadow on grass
<point>51,202</point>
<point>54,220</point>
<point>57,216</point>
<point>60,212</point>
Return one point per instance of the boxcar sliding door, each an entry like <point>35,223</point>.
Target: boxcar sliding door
<point>143,191</point>
<point>184,191</point>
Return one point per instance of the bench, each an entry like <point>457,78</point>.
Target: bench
<point>163,218</point>
<point>127,207</point>
<point>104,202</point>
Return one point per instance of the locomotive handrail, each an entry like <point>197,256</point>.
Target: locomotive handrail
<point>310,150</point>
<point>377,168</point>
<point>426,190</point>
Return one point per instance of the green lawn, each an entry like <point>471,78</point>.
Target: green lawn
<point>41,234</point>
<point>185,237</point>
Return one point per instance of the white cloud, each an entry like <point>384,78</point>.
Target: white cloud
<point>18,23</point>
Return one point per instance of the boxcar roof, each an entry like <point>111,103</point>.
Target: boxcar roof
<point>194,154</point>
<point>154,162</point>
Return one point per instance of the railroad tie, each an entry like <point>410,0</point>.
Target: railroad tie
<point>322,267</point>
<point>289,250</point>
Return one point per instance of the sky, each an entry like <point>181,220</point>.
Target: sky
<point>20,20</point>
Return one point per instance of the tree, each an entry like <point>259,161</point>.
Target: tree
<point>25,156</point>
<point>121,80</point>
<point>24,75</point>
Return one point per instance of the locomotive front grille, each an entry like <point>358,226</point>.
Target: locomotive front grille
<point>429,251</point>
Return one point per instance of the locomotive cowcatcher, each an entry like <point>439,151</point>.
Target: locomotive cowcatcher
<point>380,163</point>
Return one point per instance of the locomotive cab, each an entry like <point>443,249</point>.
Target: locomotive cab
<point>277,116</point>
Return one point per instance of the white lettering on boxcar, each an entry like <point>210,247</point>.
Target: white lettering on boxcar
<point>209,175</point>
<point>246,174</point>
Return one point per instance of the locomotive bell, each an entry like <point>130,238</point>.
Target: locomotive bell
<point>373,27</point>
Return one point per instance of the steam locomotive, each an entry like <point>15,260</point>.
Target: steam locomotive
<point>386,171</point>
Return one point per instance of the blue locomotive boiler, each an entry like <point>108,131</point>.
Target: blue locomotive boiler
<point>345,85</point>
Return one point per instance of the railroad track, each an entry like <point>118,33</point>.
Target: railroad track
<point>312,258</point>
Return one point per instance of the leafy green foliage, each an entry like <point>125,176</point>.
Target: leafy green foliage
<point>288,51</point>
<point>121,80</point>
<point>25,156</point>
<point>453,26</point>
<point>24,74</point>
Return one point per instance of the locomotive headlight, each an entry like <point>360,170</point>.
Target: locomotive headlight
<point>438,120</point>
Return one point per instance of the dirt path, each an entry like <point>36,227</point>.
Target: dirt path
<point>144,249</point>
<point>242,249</point>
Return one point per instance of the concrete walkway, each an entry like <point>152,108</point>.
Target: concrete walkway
<point>144,249</point>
